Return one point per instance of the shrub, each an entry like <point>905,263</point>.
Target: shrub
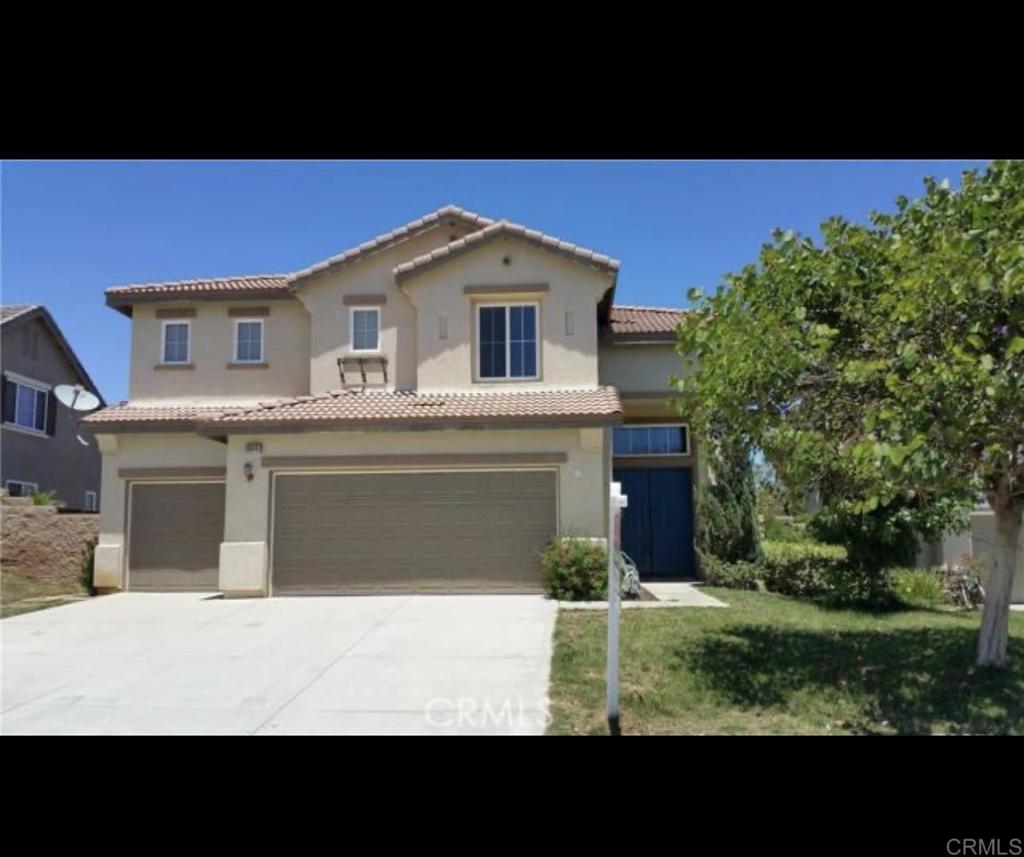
<point>43,498</point>
<point>802,569</point>
<point>731,575</point>
<point>575,569</point>
<point>727,506</point>
<point>884,538</point>
<point>919,587</point>
<point>85,575</point>
<point>784,530</point>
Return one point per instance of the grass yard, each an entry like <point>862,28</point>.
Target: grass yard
<point>15,586</point>
<point>774,665</point>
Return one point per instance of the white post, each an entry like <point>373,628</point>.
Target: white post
<point>617,502</point>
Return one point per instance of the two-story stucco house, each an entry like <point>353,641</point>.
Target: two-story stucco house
<point>421,413</point>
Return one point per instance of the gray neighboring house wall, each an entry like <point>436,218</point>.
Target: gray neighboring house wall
<point>48,454</point>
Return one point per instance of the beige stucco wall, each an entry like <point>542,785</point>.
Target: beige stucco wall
<point>639,368</point>
<point>286,350</point>
<point>566,360</point>
<point>139,450</point>
<point>324,295</point>
<point>245,554</point>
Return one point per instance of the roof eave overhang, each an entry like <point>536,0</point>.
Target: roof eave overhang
<point>124,302</point>
<point>218,427</point>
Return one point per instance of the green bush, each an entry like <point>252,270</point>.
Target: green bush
<point>575,569</point>
<point>731,575</point>
<point>884,538</point>
<point>43,498</point>
<point>85,574</point>
<point>727,506</point>
<point>919,587</point>
<point>801,569</point>
<point>783,530</point>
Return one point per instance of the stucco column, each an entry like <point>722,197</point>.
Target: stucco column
<point>244,551</point>
<point>109,559</point>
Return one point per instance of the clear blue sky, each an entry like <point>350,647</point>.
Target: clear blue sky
<point>72,229</point>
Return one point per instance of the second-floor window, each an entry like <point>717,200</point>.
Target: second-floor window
<point>25,405</point>
<point>507,336</point>
<point>249,341</point>
<point>175,342</point>
<point>365,326</point>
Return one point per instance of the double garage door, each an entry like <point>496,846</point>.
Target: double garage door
<point>357,533</point>
<point>467,531</point>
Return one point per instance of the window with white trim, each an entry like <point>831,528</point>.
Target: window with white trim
<point>364,322</point>
<point>248,340</point>
<point>16,488</point>
<point>25,405</point>
<point>651,440</point>
<point>507,344</point>
<point>175,346</point>
<point>90,501</point>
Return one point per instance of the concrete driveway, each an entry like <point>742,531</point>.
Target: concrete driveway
<point>171,663</point>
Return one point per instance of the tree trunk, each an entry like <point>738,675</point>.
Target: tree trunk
<point>995,620</point>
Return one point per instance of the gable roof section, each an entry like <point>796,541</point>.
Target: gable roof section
<point>21,313</point>
<point>389,239</point>
<point>495,230</point>
<point>276,286</point>
<point>644,323</point>
<point>251,287</point>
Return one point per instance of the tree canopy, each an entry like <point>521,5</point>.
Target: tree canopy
<point>884,363</point>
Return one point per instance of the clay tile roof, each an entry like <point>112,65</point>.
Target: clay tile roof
<point>252,282</point>
<point>504,227</point>
<point>12,311</point>
<point>409,229</point>
<point>637,322</point>
<point>135,416</point>
<point>355,409</point>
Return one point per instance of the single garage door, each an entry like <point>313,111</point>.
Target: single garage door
<point>412,532</point>
<point>175,535</point>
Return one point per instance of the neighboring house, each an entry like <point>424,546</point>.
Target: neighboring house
<point>421,413</point>
<point>40,449</point>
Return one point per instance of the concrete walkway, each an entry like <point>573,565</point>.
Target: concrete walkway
<point>172,663</point>
<point>668,595</point>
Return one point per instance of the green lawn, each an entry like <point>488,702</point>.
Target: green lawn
<point>770,664</point>
<point>16,586</point>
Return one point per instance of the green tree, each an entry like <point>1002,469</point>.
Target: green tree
<point>727,503</point>
<point>885,363</point>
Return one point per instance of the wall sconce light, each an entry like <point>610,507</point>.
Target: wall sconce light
<point>249,470</point>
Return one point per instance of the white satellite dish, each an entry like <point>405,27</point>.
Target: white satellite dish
<point>76,398</point>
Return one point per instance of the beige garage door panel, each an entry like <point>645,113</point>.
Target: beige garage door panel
<point>412,532</point>
<point>176,531</point>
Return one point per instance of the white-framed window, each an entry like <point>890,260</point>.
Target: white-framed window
<point>364,323</point>
<point>176,341</point>
<point>26,404</point>
<point>507,342</point>
<point>248,340</point>
<point>90,501</point>
<point>655,439</point>
<point>17,488</point>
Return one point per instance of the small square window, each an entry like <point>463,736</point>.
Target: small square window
<point>21,489</point>
<point>90,501</point>
<point>365,325</point>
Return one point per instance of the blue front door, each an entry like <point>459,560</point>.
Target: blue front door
<point>657,525</point>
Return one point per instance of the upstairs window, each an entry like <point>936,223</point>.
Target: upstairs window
<point>176,342</point>
<point>651,440</point>
<point>249,341</point>
<point>25,405</point>
<point>365,325</point>
<point>507,337</point>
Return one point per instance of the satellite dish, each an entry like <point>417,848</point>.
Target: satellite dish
<point>76,398</point>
